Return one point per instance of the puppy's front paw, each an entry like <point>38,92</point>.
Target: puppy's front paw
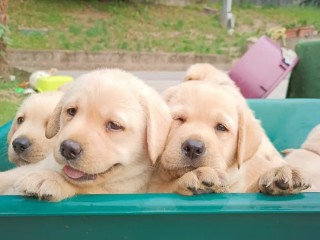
<point>283,180</point>
<point>202,180</point>
<point>46,185</point>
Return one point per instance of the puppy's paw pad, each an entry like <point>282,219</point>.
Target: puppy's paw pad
<point>188,184</point>
<point>282,184</point>
<point>283,180</point>
<point>29,194</point>
<point>203,180</point>
<point>46,197</point>
<point>266,188</point>
<point>29,185</point>
<point>299,182</point>
<point>212,180</point>
<point>207,183</point>
<point>43,186</point>
<point>192,189</point>
<point>50,190</point>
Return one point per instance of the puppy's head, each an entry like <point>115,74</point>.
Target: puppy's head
<point>207,72</point>
<point>108,120</point>
<point>26,138</point>
<point>211,127</point>
<point>312,143</point>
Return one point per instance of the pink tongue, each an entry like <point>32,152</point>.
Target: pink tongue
<point>72,173</point>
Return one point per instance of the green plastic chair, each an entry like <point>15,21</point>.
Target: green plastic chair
<point>305,78</point>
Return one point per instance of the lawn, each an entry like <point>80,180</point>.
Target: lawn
<point>9,99</point>
<point>123,25</point>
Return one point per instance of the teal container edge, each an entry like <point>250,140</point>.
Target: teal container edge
<point>159,204</point>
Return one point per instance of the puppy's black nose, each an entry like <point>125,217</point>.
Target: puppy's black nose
<point>20,144</point>
<point>193,148</point>
<point>70,149</point>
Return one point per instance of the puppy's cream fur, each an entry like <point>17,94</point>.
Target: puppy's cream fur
<point>207,72</point>
<point>238,159</point>
<point>112,160</point>
<point>307,158</point>
<point>30,123</point>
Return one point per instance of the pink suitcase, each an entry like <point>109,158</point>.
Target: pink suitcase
<point>261,68</point>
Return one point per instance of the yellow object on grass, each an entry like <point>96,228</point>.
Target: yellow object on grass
<point>51,83</point>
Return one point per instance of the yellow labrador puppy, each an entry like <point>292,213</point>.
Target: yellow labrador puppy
<point>26,138</point>
<point>110,127</point>
<point>307,158</point>
<point>216,144</point>
<point>207,72</point>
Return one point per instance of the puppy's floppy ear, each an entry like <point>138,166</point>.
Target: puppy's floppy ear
<point>250,134</point>
<point>312,142</point>
<point>12,130</point>
<point>53,125</point>
<point>158,123</point>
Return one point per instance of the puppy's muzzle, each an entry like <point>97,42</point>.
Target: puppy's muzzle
<point>21,144</point>
<point>70,149</point>
<point>193,149</point>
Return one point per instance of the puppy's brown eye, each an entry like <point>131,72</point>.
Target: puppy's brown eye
<point>72,111</point>
<point>179,119</point>
<point>221,127</point>
<point>113,126</point>
<point>20,120</point>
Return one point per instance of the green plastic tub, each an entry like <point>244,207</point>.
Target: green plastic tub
<point>52,83</point>
<point>170,216</point>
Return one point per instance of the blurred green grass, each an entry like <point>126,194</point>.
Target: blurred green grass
<point>123,25</point>
<point>9,99</point>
